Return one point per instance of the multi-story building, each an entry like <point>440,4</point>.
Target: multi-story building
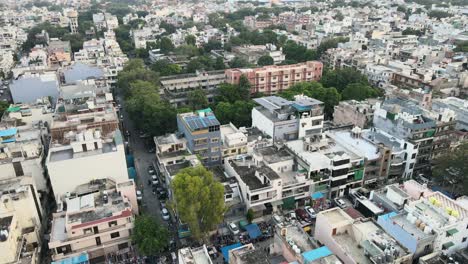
<point>86,142</point>
<point>459,106</point>
<point>59,53</point>
<point>430,222</point>
<point>197,255</point>
<point>176,88</point>
<point>6,61</point>
<point>23,143</point>
<point>354,113</point>
<point>234,142</point>
<point>105,21</point>
<point>44,84</point>
<point>248,254</point>
<point>21,218</point>
<point>73,21</point>
<point>288,120</point>
<point>201,129</point>
<point>273,79</point>
<point>97,224</point>
<point>405,120</point>
<point>358,241</point>
<point>252,53</point>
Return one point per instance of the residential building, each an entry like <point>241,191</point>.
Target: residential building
<point>273,79</point>
<point>358,241</point>
<point>6,61</point>
<point>248,254</point>
<point>98,224</point>
<point>405,120</point>
<point>355,113</point>
<point>252,53</point>
<point>459,106</point>
<point>73,21</point>
<point>31,86</point>
<point>430,222</point>
<point>176,88</point>
<point>59,53</point>
<point>201,129</point>
<point>234,142</point>
<point>86,142</point>
<point>24,136</point>
<point>81,72</point>
<point>197,255</point>
<point>288,120</point>
<point>105,21</point>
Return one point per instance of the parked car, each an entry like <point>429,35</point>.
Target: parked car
<point>139,195</point>
<point>233,228</point>
<point>162,203</point>
<point>310,211</point>
<point>162,195</point>
<point>165,214</point>
<point>154,180</point>
<point>151,170</point>
<point>302,214</point>
<point>339,202</point>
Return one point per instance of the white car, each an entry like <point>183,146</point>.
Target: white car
<point>165,214</point>
<point>139,195</point>
<point>234,229</point>
<point>310,211</point>
<point>340,203</point>
<point>154,180</point>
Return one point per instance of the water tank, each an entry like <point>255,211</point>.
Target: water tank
<point>418,222</point>
<point>409,217</point>
<point>427,230</point>
<point>422,226</point>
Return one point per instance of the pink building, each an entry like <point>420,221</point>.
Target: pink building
<point>273,79</point>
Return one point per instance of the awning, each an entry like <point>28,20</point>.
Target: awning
<point>243,224</point>
<point>132,173</point>
<point>277,202</point>
<point>8,132</point>
<point>225,250</point>
<point>14,109</point>
<point>447,245</point>
<point>81,259</point>
<point>289,203</point>
<point>258,208</point>
<point>317,195</point>
<point>253,230</point>
<point>452,231</point>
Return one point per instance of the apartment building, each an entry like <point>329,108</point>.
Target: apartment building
<point>201,129</point>
<point>234,142</point>
<point>105,21</point>
<point>86,142</point>
<point>59,53</point>
<point>20,221</point>
<point>97,224</point>
<point>273,79</point>
<point>355,113</point>
<point>458,105</point>
<point>405,120</point>
<point>288,120</point>
<point>23,130</point>
<point>197,255</point>
<point>31,86</point>
<point>176,88</point>
<point>445,138</point>
<point>252,53</point>
<point>358,241</point>
<point>73,21</point>
<point>248,254</point>
<point>6,61</point>
<point>429,222</point>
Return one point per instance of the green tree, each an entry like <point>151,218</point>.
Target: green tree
<point>199,200</point>
<point>329,44</point>
<point>150,237</point>
<point>134,70</point>
<point>164,68</point>
<point>339,16</point>
<point>439,14</point>
<point>451,170</point>
<point>359,92</point>
<point>122,35</point>
<point>219,64</point>
<point>265,60</point>
<point>244,87</point>
<point>166,45</point>
<point>238,62</point>
<point>461,46</point>
<point>228,93</point>
<point>340,78</point>
<point>76,41</point>
<point>250,215</point>
<point>239,112</point>
<point>141,53</point>
<point>3,107</point>
<point>410,31</point>
<point>187,50</point>
<point>197,99</point>
<point>168,27</point>
<point>191,40</point>
<point>212,45</point>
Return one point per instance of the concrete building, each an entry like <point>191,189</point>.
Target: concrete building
<point>30,87</point>
<point>434,222</point>
<point>288,120</point>
<point>73,21</point>
<point>24,134</point>
<point>354,113</point>
<point>274,79</point>
<point>459,106</point>
<point>201,129</point>
<point>197,255</point>
<point>252,53</point>
<point>20,221</point>
<point>358,241</point>
<point>98,224</point>
<point>59,53</point>
<point>176,88</point>
<point>86,142</point>
<point>248,254</point>
<point>234,142</point>
<point>405,120</point>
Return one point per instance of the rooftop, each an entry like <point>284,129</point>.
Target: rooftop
<point>271,154</point>
<point>356,144</point>
<point>249,254</point>
<point>247,172</point>
<point>194,255</point>
<point>68,153</point>
<point>169,139</point>
<point>202,119</point>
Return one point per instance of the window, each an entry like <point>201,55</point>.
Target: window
<point>214,159</point>
<point>413,156</point>
<point>122,246</point>
<point>115,234</point>
<point>215,149</point>
<point>228,196</point>
<point>254,197</point>
<point>112,223</point>
<point>87,231</point>
<point>214,140</point>
<point>200,141</point>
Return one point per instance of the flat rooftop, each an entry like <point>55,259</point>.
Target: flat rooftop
<point>250,255</point>
<point>195,255</point>
<point>336,216</point>
<point>169,139</point>
<point>66,154</point>
<point>299,238</point>
<point>246,171</point>
<point>272,154</point>
<point>357,144</point>
<point>409,227</point>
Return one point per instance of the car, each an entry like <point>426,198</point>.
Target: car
<point>139,195</point>
<point>154,180</point>
<point>340,203</point>
<point>302,214</point>
<point>310,211</point>
<point>233,228</point>
<point>165,214</point>
<point>151,170</point>
<point>162,195</point>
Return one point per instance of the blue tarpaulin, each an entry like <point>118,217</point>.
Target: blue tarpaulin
<point>315,254</point>
<point>317,195</point>
<point>8,132</point>
<point>81,259</point>
<point>225,250</point>
<point>132,173</point>
<point>254,231</point>
<point>130,161</point>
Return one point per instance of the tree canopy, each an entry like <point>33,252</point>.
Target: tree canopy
<point>199,200</point>
<point>452,169</point>
<point>265,60</point>
<point>340,78</point>
<point>150,237</point>
<point>197,99</point>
